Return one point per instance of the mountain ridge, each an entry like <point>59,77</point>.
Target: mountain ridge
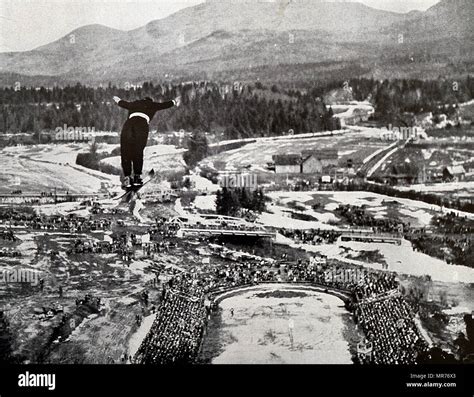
<point>232,36</point>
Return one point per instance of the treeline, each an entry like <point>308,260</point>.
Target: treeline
<point>237,110</point>
<point>197,149</point>
<point>240,111</point>
<point>232,201</point>
<point>392,99</point>
<point>92,160</point>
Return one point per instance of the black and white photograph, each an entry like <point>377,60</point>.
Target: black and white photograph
<point>264,183</point>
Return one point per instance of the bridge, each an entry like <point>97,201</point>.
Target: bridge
<point>372,238</point>
<point>197,231</point>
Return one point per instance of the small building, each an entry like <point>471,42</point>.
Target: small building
<point>455,173</point>
<point>423,119</point>
<point>326,179</point>
<point>469,167</point>
<point>431,174</point>
<point>287,163</point>
<point>318,161</point>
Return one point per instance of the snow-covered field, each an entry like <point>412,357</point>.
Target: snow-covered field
<point>451,187</point>
<point>57,153</point>
<point>417,213</point>
<point>203,184</point>
<point>356,143</point>
<point>347,111</point>
<point>205,202</point>
<point>40,168</point>
<point>160,157</point>
<point>402,259</point>
<point>45,167</point>
<point>279,215</point>
<point>140,334</point>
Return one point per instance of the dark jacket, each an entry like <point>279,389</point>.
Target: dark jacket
<point>145,106</point>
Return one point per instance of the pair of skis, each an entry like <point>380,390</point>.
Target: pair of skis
<point>132,192</point>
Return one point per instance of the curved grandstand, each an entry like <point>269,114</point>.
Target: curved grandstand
<point>189,300</point>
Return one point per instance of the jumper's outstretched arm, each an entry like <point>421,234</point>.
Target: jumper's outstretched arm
<point>122,103</point>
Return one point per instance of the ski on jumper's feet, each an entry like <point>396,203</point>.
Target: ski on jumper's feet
<point>134,189</point>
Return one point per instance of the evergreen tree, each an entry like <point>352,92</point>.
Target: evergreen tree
<point>197,149</point>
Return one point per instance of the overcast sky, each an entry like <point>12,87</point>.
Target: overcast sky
<point>26,24</point>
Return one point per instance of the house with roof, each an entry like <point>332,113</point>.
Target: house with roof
<point>314,162</point>
<point>308,162</point>
<point>287,163</point>
<point>469,167</point>
<point>423,119</point>
<point>456,173</point>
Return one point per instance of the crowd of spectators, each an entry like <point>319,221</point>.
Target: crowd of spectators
<point>358,216</point>
<point>451,240</point>
<point>117,246</point>
<point>389,325</point>
<point>163,228</point>
<point>9,253</point>
<point>125,244</point>
<point>451,237</point>
<point>311,236</point>
<point>72,223</point>
<point>383,314</point>
<point>456,249</point>
<point>7,235</point>
<point>176,333</point>
<point>362,283</point>
<point>12,214</point>
<point>452,223</point>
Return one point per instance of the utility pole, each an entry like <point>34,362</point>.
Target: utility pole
<point>291,325</point>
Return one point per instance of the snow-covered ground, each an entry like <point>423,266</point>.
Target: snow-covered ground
<point>58,153</point>
<point>160,157</point>
<point>178,207</point>
<point>205,202</point>
<point>279,211</point>
<point>417,212</point>
<point>440,187</point>
<point>401,259</point>
<point>39,168</point>
<point>423,217</point>
<point>140,334</point>
<point>347,111</point>
<point>45,167</point>
<point>301,328</point>
<point>281,138</point>
<point>382,160</point>
<point>203,184</point>
<point>375,200</point>
<point>281,217</point>
<point>256,155</point>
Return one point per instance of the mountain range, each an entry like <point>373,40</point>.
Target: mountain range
<point>272,41</point>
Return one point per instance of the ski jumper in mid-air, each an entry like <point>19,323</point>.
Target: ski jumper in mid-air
<point>134,135</point>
